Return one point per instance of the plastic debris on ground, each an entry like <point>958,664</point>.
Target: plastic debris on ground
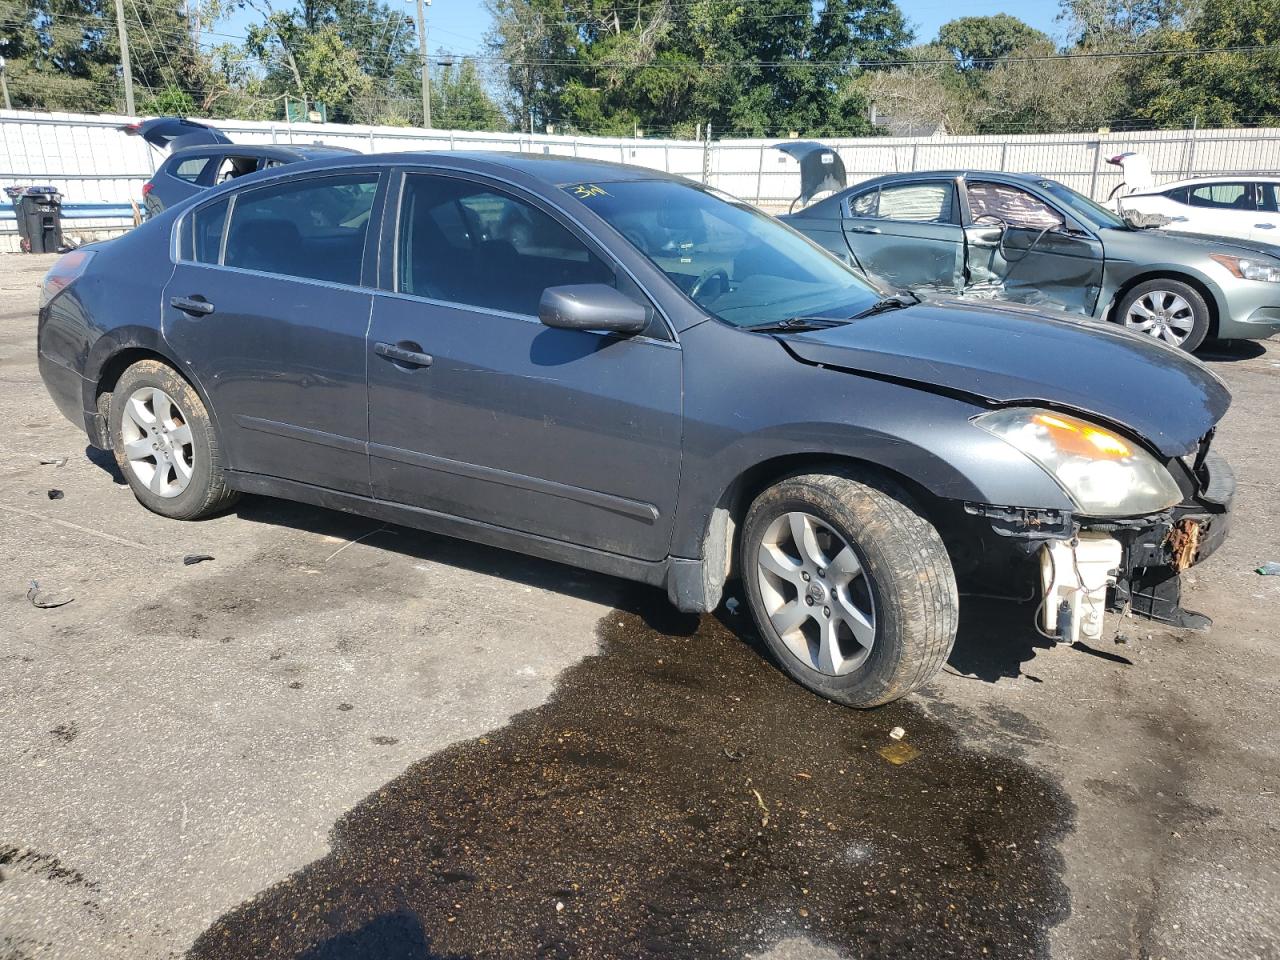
<point>39,599</point>
<point>897,733</point>
<point>56,494</point>
<point>194,558</point>
<point>899,753</point>
<point>1270,569</point>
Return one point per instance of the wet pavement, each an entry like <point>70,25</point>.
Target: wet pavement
<point>677,796</point>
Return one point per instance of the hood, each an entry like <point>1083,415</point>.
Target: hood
<point>1015,356</point>
<point>1179,245</point>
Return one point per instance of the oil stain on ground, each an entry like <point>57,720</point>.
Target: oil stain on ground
<point>678,797</point>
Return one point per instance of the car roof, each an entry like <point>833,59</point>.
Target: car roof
<point>272,151</point>
<point>1203,181</point>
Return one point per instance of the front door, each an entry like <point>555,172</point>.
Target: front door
<point>908,235</point>
<point>479,411</point>
<point>268,306</point>
<point>1266,225</point>
<point>1020,248</point>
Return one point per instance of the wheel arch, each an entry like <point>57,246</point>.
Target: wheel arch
<point>112,356</point>
<point>1207,290</point>
<point>720,540</point>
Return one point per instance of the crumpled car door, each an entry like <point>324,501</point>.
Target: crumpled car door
<point>1016,248</point>
<point>907,235</point>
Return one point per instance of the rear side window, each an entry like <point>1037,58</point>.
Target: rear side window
<point>1011,206</point>
<point>190,168</point>
<point>1178,195</point>
<point>916,202</point>
<point>1224,196</point>
<point>466,243</point>
<point>313,228</point>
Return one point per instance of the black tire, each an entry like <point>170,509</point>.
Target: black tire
<point>908,573</point>
<point>1201,320</point>
<point>206,492</point>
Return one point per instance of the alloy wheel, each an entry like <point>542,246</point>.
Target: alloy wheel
<point>157,442</point>
<point>817,594</point>
<point>1162,314</point>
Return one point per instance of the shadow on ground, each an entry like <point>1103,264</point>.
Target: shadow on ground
<point>678,797</point>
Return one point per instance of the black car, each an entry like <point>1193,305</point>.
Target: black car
<point>623,370</point>
<point>201,157</point>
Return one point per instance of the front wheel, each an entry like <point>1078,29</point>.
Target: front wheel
<point>165,443</point>
<point>850,586</point>
<point>1167,310</point>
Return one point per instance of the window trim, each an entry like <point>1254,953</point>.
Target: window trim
<point>387,282</point>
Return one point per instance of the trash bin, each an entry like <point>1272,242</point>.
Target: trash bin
<point>39,213</point>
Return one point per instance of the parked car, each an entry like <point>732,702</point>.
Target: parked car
<point>1244,207</point>
<point>1033,240</point>
<point>201,157</point>
<point>349,333</point>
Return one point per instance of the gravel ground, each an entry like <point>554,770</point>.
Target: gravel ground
<point>339,739</point>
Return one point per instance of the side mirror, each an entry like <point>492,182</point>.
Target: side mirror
<point>591,306</point>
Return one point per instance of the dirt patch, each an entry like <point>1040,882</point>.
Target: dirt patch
<point>678,796</point>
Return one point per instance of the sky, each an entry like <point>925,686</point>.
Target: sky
<point>458,26</point>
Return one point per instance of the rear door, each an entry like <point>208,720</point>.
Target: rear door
<point>566,434</point>
<point>908,234</point>
<point>1266,225</point>
<point>1022,248</point>
<point>269,304</point>
<point>1224,208</point>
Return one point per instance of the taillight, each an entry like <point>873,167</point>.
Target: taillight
<point>147,187</point>
<point>67,268</point>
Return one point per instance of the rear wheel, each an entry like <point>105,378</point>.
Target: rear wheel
<point>1167,310</point>
<point>850,586</point>
<point>165,444</point>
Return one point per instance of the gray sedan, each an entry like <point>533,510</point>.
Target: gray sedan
<point>622,370</point>
<point>1033,240</point>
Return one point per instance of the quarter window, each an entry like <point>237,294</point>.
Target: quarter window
<point>463,242</point>
<point>916,202</point>
<point>190,168</point>
<point>1012,206</point>
<point>313,228</point>
<point>1224,196</point>
<point>864,205</point>
<point>207,225</point>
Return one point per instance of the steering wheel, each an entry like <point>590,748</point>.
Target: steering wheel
<point>707,276</point>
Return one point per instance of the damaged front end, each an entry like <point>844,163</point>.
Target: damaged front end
<point>1090,566</point>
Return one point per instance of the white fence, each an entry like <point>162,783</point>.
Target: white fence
<point>91,161</point>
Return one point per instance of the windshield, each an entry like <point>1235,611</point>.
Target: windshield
<point>733,261</point>
<point>1082,206</point>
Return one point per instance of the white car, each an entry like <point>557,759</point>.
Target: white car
<point>1244,207</point>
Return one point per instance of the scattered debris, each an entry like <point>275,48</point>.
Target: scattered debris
<point>193,558</point>
<point>899,753</point>
<point>559,906</point>
<point>1269,569</point>
<point>764,820</point>
<point>733,756</point>
<point>382,529</point>
<point>344,707</point>
<point>53,462</point>
<point>1122,638</point>
<point>732,605</point>
<point>804,776</point>
<point>56,494</point>
<point>384,741</point>
<point>38,599</point>
<point>897,733</point>
<point>295,685</point>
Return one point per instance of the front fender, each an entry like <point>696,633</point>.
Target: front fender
<point>1121,274</point>
<point>767,409</point>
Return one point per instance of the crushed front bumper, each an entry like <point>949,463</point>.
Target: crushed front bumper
<point>1155,549</point>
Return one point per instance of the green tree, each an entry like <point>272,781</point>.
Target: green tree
<point>1220,89</point>
<point>459,100</point>
<point>978,42</point>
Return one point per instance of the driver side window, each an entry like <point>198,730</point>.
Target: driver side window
<point>1012,206</point>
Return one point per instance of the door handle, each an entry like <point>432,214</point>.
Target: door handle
<point>399,353</point>
<point>1265,226</point>
<point>864,229</point>
<point>197,306</point>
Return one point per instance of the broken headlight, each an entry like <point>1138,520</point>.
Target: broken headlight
<point>1104,474</point>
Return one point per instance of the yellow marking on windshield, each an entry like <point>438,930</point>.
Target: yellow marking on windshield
<point>585,191</point>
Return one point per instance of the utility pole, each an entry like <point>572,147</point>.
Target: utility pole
<point>426,66</point>
<point>124,59</point>
<point>4,87</point>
